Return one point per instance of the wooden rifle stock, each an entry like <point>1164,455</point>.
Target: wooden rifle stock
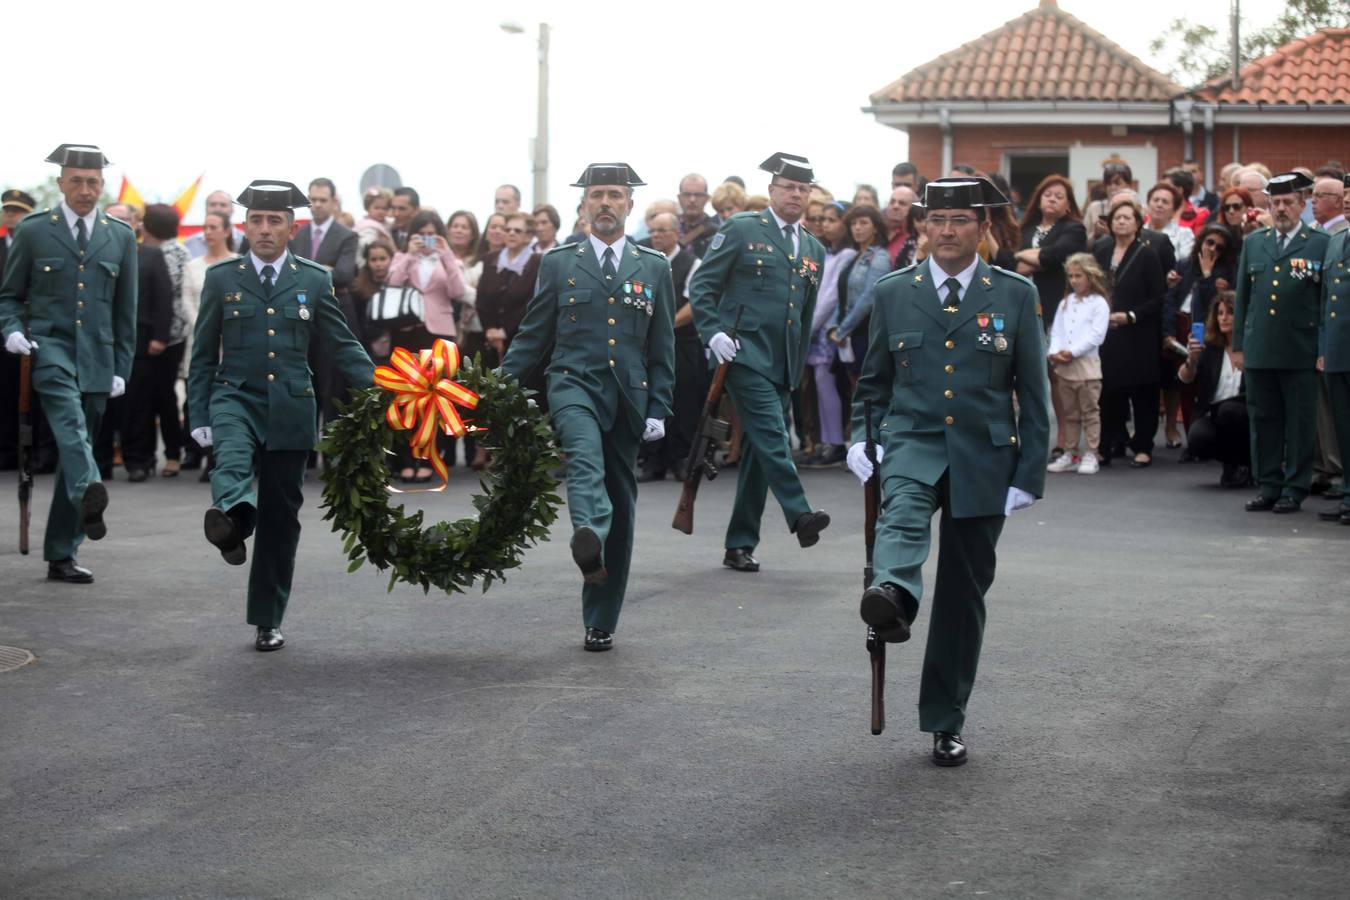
<point>876,648</point>
<point>711,431</point>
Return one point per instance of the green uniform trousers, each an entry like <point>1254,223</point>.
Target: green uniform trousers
<point>75,419</point>
<point>269,515</point>
<point>1338,393</point>
<point>602,496</point>
<point>1283,408</point>
<point>766,457</point>
<point>965,571</point>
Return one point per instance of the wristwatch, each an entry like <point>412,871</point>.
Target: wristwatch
<point>1132,316</point>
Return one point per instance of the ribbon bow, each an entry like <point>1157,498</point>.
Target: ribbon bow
<point>425,398</point>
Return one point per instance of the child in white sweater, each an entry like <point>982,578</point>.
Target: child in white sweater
<point>1079,329</point>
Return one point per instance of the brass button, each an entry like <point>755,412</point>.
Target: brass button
<point>611,342</point>
<point>949,393</point>
<point>309,390</point>
<point>81,267</point>
<point>1275,283</point>
<point>236,312</point>
<point>78,322</point>
<point>271,377</point>
<point>949,368</point>
<point>900,346</point>
<point>80,286</point>
<point>270,332</point>
<point>904,364</point>
<point>1274,297</point>
<point>1277,270</point>
<point>644,384</point>
<point>79,304</point>
<point>794,287</point>
<point>611,321</point>
<point>792,306</point>
<point>571,299</point>
<point>567,371</point>
<point>611,299</point>
<point>46,268</point>
<point>950,344</point>
<point>951,420</point>
<point>271,354</point>
<point>759,262</point>
<point>1272,312</point>
<point>1013,439</point>
<point>789,321</point>
<point>611,363</point>
<point>271,311</point>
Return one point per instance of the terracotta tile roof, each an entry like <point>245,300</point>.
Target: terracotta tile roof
<point>1313,70</point>
<point>1045,54</point>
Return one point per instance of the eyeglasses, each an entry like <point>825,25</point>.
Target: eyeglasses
<point>1218,245</point>
<point>1234,206</point>
<point>953,221</point>
<point>1336,196</point>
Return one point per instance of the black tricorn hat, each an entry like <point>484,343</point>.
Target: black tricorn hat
<point>271,194</point>
<point>18,199</point>
<point>609,173</point>
<point>79,156</point>
<point>961,193</point>
<point>1288,183</point>
<point>798,168</point>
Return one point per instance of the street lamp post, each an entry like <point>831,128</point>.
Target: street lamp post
<point>539,166</point>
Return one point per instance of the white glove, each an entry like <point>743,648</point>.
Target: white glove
<point>1017,499</point>
<point>858,462</point>
<point>655,430</point>
<point>119,387</point>
<point>17,343</point>
<point>723,347</point>
<point>202,436</point>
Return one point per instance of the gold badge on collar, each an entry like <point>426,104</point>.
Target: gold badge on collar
<point>918,279</point>
<point>984,279</point>
<point>571,281</point>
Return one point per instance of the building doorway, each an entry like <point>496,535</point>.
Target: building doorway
<point>1026,169</point>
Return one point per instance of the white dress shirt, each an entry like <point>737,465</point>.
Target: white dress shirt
<point>783,223</point>
<point>71,219</point>
<point>964,278</point>
<point>1230,380</point>
<point>276,266</point>
<point>600,247</point>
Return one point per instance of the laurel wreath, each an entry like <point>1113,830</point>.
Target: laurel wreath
<point>514,512</point>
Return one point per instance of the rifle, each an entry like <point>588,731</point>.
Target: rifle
<point>711,432</point>
<point>876,648</point>
<point>25,447</point>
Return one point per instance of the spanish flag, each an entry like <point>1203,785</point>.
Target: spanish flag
<point>129,194</point>
<point>184,201</point>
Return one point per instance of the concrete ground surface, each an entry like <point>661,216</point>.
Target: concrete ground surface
<point>1163,710</point>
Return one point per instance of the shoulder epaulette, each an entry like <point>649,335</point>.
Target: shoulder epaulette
<point>223,262</point>
<point>1022,278</point>
<point>652,250</point>
<point>312,264</point>
<point>108,220</point>
<point>567,246</point>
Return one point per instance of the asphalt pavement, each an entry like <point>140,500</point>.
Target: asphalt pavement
<point>1162,710</point>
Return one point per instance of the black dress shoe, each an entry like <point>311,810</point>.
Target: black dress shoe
<point>269,639</point>
<point>1261,504</point>
<point>69,571</point>
<point>586,554</point>
<point>1334,514</point>
<point>597,640</point>
<point>95,502</point>
<point>136,476</point>
<point>809,526</point>
<point>222,532</point>
<point>948,749</point>
<point>1286,505</point>
<point>1319,486</point>
<point>739,558</point>
<point>881,609</point>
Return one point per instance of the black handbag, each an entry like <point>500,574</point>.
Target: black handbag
<point>394,309</point>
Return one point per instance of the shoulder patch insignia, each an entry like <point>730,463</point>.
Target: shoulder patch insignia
<point>718,240</point>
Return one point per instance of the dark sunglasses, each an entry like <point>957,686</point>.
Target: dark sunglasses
<point>1234,205</point>
<point>1213,242</point>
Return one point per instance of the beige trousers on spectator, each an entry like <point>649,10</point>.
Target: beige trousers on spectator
<point>1327,461</point>
<point>1082,413</point>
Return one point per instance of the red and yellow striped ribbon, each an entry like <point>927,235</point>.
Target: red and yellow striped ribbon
<point>424,399</point>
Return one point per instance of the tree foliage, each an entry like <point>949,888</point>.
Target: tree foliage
<point>1199,51</point>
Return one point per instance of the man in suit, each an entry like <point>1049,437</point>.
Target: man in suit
<point>332,245</point>
<point>250,382</point>
<point>69,299</point>
<point>407,204</point>
<point>760,278</point>
<point>1328,208</point>
<point>606,307</point>
<point>696,226</point>
<point>952,341</point>
<point>1279,292</point>
<point>1334,352</point>
<point>154,323</point>
<point>692,376</point>
<point>1201,196</point>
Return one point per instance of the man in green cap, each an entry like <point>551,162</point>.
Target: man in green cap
<point>759,279</point>
<point>607,307</point>
<point>250,381</point>
<point>69,299</point>
<point>1334,353</point>
<point>1275,323</point>
<point>952,341</point>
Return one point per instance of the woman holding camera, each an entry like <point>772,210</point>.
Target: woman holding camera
<point>1219,429</point>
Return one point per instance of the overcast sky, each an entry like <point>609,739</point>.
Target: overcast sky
<point>440,92</point>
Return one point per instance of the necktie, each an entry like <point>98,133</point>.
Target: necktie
<point>788,232</point>
<point>608,267</point>
<point>267,274</point>
<point>953,292</point>
<point>314,244</point>
<point>81,239</point>
<point>1283,242</point>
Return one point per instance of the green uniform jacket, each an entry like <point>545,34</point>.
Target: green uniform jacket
<point>1279,295</point>
<point>944,383</point>
<point>612,339</point>
<point>1335,339</point>
<point>750,271</point>
<point>83,309</point>
<point>263,372</point>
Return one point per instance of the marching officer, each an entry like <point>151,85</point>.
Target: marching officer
<point>1334,355</point>
<point>75,268</point>
<point>952,341</point>
<point>759,279</point>
<point>1275,323</point>
<point>250,381</point>
<point>607,307</point>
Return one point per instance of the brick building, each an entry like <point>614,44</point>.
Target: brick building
<point>1047,93</point>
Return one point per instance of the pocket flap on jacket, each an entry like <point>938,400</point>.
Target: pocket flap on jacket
<point>1002,435</point>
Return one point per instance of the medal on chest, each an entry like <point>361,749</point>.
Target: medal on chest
<point>304,306</point>
<point>982,320</point>
<point>1000,340</point>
